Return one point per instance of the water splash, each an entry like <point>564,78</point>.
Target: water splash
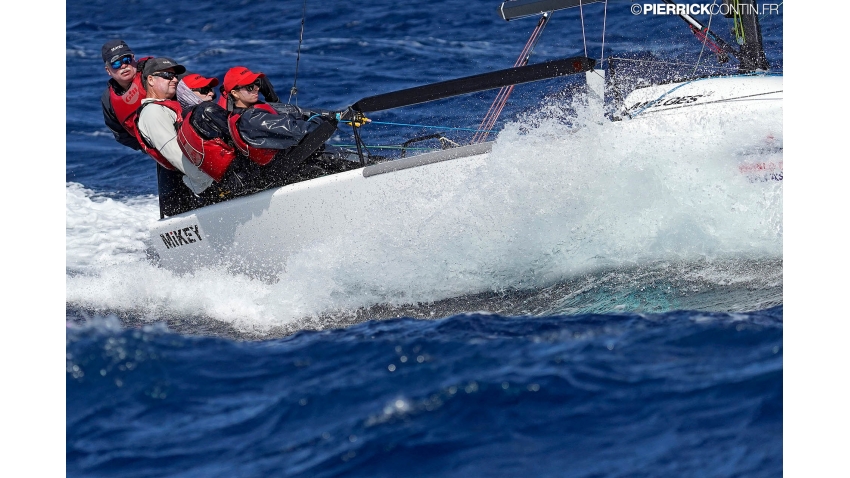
<point>559,197</point>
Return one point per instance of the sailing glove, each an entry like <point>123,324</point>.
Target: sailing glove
<point>267,90</point>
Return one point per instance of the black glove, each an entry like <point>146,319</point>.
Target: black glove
<point>267,90</point>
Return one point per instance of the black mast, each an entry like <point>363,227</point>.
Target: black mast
<point>748,33</point>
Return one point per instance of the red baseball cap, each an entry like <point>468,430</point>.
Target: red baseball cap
<point>240,76</point>
<point>195,80</point>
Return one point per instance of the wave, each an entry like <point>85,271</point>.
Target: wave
<point>552,204</point>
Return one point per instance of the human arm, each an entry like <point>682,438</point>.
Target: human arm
<point>262,129</point>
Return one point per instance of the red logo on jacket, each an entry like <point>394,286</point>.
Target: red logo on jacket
<point>132,95</point>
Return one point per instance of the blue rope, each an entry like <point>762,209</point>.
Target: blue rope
<point>422,126</point>
<point>387,147</point>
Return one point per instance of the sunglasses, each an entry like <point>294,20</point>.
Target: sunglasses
<point>249,88</point>
<point>165,74</point>
<point>124,60</point>
<point>205,90</point>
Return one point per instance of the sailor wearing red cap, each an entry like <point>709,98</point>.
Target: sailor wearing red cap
<point>258,130</point>
<point>194,88</point>
<point>203,135</point>
<point>256,146</point>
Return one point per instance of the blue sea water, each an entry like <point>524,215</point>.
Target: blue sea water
<point>668,367</point>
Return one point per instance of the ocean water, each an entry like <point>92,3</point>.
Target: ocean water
<point>617,315</point>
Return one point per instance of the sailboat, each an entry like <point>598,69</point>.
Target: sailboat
<point>257,233</point>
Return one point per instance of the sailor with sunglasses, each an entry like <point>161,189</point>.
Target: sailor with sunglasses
<point>255,145</point>
<point>158,120</point>
<point>194,88</point>
<point>284,139</point>
<point>124,91</point>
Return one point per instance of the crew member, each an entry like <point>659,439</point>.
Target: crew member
<point>289,142</point>
<point>256,147</point>
<point>194,88</point>
<point>266,89</point>
<point>158,119</point>
<point>124,91</point>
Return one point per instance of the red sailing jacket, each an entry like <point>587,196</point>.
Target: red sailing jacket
<point>174,105</point>
<point>261,156</point>
<point>211,156</point>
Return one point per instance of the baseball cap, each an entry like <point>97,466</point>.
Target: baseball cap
<point>240,76</point>
<point>161,63</point>
<point>114,49</point>
<point>194,80</point>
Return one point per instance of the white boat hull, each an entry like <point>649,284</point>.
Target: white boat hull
<point>734,95</point>
<point>256,234</point>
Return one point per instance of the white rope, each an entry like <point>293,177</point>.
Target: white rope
<point>581,12</point>
<point>705,40</point>
<point>604,17</point>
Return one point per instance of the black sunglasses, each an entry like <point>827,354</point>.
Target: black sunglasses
<point>249,88</point>
<point>124,60</point>
<point>168,75</point>
<point>205,90</point>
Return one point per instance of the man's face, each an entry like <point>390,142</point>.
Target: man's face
<point>122,69</point>
<point>162,84</point>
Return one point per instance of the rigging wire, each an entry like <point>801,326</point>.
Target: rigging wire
<point>705,38</point>
<point>294,90</point>
<point>583,37</point>
<point>604,18</point>
<point>492,115</point>
<point>388,146</point>
<point>737,23</point>
<point>421,126</point>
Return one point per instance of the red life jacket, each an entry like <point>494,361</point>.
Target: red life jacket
<point>211,156</point>
<point>125,105</point>
<point>261,156</point>
<point>153,152</point>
